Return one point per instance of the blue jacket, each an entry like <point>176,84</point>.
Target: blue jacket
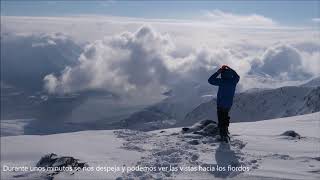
<point>227,87</point>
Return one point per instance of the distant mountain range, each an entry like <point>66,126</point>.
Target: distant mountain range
<point>105,110</point>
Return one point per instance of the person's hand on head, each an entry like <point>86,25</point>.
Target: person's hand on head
<point>224,67</point>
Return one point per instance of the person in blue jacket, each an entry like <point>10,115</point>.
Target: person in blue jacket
<point>227,86</point>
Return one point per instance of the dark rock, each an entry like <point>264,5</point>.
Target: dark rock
<point>205,127</point>
<point>194,142</point>
<point>194,157</point>
<point>47,160</point>
<point>54,161</point>
<point>316,158</point>
<point>174,134</point>
<point>207,121</point>
<point>292,134</point>
<point>210,130</point>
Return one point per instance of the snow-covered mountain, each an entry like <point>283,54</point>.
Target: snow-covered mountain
<point>248,106</point>
<point>261,105</point>
<point>314,82</point>
<point>258,150</point>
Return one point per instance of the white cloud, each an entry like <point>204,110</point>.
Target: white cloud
<point>196,31</point>
<point>130,63</point>
<point>311,62</point>
<point>316,20</point>
<point>252,20</point>
<point>282,62</point>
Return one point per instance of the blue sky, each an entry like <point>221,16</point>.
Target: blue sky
<point>285,12</point>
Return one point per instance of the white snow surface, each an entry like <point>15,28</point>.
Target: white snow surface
<point>258,146</point>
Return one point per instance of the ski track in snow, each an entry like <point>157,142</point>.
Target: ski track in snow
<point>172,149</point>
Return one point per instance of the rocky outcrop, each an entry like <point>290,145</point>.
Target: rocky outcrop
<point>55,164</point>
<point>205,127</point>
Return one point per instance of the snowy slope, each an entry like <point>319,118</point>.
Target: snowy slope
<point>258,146</point>
<point>97,148</point>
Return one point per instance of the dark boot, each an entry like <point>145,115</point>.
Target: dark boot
<point>224,135</point>
<point>225,139</point>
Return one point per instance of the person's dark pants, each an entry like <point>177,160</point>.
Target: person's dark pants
<point>223,121</point>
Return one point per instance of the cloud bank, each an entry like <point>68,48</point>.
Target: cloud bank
<point>282,62</point>
<point>146,63</point>
<point>130,63</point>
<point>127,57</point>
<point>26,59</point>
<point>143,62</point>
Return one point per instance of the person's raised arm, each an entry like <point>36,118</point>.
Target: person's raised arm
<point>213,80</point>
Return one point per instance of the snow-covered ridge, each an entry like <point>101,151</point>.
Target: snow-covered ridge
<point>315,82</point>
